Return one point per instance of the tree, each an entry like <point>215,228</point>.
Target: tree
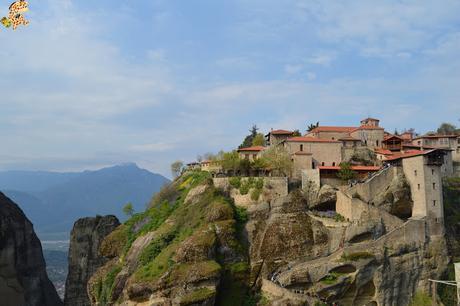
<point>447,129</point>
<point>278,159</point>
<point>296,133</point>
<point>128,209</point>
<point>176,168</point>
<point>312,126</point>
<point>230,161</point>
<point>346,173</point>
<point>247,142</point>
<point>258,140</point>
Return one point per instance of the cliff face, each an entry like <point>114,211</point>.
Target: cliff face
<point>84,258</point>
<point>193,246</point>
<point>23,278</point>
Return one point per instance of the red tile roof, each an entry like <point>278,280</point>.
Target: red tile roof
<point>437,136</point>
<point>383,151</point>
<point>411,153</point>
<point>367,127</point>
<point>252,149</point>
<point>340,129</point>
<point>354,168</point>
<point>392,136</point>
<point>309,139</point>
<point>281,132</point>
<point>409,145</point>
<point>349,138</point>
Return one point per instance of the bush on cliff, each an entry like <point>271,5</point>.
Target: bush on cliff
<point>192,239</point>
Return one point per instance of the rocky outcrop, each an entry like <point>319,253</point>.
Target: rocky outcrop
<point>23,278</point>
<point>396,198</point>
<point>84,258</point>
<point>198,248</point>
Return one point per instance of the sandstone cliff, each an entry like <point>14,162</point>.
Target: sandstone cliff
<point>84,258</point>
<point>23,278</point>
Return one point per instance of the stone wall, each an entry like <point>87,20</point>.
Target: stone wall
<point>310,175</point>
<point>355,210</point>
<point>274,187</point>
<point>329,153</point>
<point>378,183</point>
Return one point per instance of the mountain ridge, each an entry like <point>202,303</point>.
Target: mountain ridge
<point>59,199</point>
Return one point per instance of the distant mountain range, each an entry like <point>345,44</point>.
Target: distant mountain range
<point>54,201</point>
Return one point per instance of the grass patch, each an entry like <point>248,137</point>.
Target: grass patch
<point>197,296</point>
<point>421,299</point>
<point>104,287</point>
<point>356,256</point>
<point>331,278</point>
<point>239,267</point>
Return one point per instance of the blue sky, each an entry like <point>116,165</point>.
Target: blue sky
<point>94,83</point>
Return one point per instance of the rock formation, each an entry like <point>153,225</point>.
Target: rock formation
<point>194,246</point>
<point>23,278</point>
<point>84,258</point>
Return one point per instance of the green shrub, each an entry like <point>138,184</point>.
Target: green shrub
<point>259,184</point>
<point>235,182</point>
<point>239,267</point>
<point>356,256</point>
<point>255,194</point>
<point>339,218</point>
<point>155,247</point>
<point>345,173</point>
<point>241,215</point>
<point>104,287</point>
<point>244,189</point>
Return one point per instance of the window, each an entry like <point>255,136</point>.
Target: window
<point>377,143</point>
<point>333,163</point>
<point>432,171</point>
<point>322,164</point>
<point>434,186</point>
<point>301,148</point>
<point>333,138</point>
<point>419,142</point>
<point>434,202</point>
<point>254,156</point>
<point>415,172</point>
<point>418,186</point>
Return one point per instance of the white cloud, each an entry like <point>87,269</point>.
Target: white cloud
<point>311,76</point>
<point>321,59</point>
<point>152,147</point>
<point>292,69</point>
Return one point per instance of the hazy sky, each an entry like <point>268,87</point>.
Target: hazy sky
<point>94,83</point>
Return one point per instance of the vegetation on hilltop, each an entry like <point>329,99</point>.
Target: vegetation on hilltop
<point>195,235</point>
